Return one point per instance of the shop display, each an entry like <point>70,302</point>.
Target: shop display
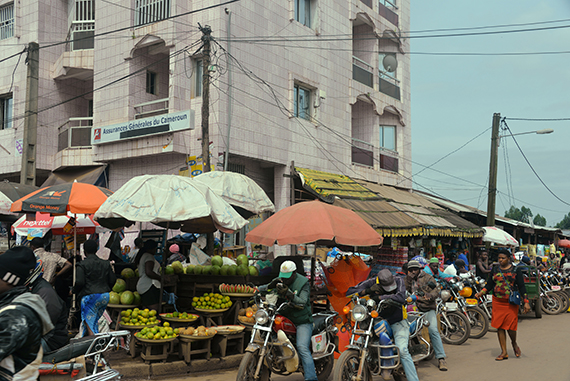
<point>392,258</point>
<point>137,317</point>
<point>211,301</point>
<point>245,315</point>
<point>124,298</point>
<point>237,289</point>
<point>157,333</point>
<point>200,332</point>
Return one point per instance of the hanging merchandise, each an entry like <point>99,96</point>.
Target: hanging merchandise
<point>439,252</point>
<point>432,242</point>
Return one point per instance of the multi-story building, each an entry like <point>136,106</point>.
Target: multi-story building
<point>323,85</point>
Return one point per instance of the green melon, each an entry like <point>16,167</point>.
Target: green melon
<point>120,286</point>
<point>207,270</point>
<point>253,271</point>
<point>127,273</point>
<point>189,269</point>
<point>137,298</point>
<point>114,298</point>
<point>232,270</point>
<point>242,270</point>
<point>169,270</point>
<point>224,270</point>
<point>127,297</point>
<point>242,259</point>
<point>198,269</point>
<point>217,261</point>
<point>177,266</point>
<point>216,270</point>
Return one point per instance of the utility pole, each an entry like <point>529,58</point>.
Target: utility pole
<point>206,38</point>
<point>492,194</point>
<point>28,171</point>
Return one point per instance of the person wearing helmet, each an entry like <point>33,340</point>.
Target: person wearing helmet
<point>56,308</point>
<point>383,287</point>
<point>23,317</point>
<point>425,291</point>
<point>296,289</point>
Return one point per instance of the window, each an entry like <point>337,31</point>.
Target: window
<point>7,21</point>
<point>302,102</point>
<point>303,12</point>
<point>389,3</point>
<point>199,78</point>
<point>149,11</point>
<point>82,27</point>
<point>388,137</point>
<point>151,82</point>
<point>6,109</point>
<point>387,75</point>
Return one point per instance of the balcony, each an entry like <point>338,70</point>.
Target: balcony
<point>386,9</point>
<point>151,11</point>
<point>152,108</point>
<point>362,71</point>
<point>75,133</point>
<point>388,85</point>
<point>81,35</point>
<point>388,163</point>
<point>362,153</point>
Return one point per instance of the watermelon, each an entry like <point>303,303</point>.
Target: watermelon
<point>169,270</point>
<point>216,270</point>
<point>137,296</point>
<point>242,270</point>
<point>253,271</point>
<point>189,269</point>
<point>198,270</point>
<point>224,270</point>
<point>217,261</point>
<point>127,273</point>
<point>242,259</point>
<point>127,297</point>
<point>114,298</point>
<point>207,270</point>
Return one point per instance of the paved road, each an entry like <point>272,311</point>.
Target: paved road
<point>545,345</point>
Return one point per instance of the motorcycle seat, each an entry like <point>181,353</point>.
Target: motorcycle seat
<point>319,323</point>
<point>75,348</point>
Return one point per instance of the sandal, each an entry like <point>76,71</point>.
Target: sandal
<point>517,350</point>
<point>502,357</point>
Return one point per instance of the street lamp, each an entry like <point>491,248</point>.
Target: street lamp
<point>495,139</point>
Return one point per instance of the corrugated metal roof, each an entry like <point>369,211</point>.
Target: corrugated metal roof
<point>330,184</point>
<point>398,195</point>
<point>378,213</point>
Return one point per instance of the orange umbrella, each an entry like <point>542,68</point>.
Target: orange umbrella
<point>312,221</point>
<point>79,198</point>
<point>564,243</point>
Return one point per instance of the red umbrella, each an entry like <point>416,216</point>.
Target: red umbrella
<point>79,198</point>
<point>312,221</point>
<point>564,243</point>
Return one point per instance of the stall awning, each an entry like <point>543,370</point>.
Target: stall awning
<point>94,175</point>
<point>326,185</point>
<point>391,211</point>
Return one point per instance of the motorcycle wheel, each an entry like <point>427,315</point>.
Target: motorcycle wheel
<point>459,330</point>
<point>538,308</point>
<point>324,367</point>
<point>346,367</point>
<point>564,299</point>
<point>551,304</point>
<point>246,371</point>
<point>479,322</point>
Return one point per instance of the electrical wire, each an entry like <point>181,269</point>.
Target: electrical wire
<point>539,119</point>
<point>530,165</point>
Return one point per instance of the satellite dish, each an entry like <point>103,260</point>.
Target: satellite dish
<point>390,63</point>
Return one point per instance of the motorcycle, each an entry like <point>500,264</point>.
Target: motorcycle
<point>92,348</point>
<point>461,294</point>
<point>374,351</point>
<point>272,346</point>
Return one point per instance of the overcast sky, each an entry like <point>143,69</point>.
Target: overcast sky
<point>454,98</point>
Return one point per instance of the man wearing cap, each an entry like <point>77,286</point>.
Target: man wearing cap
<point>433,269</point>
<point>54,264</point>
<point>383,287</point>
<point>296,289</point>
<point>23,317</point>
<point>425,291</point>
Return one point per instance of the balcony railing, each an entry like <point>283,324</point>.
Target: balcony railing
<point>149,11</point>
<point>388,85</point>
<point>152,108</point>
<point>81,35</point>
<point>7,21</point>
<point>384,9</point>
<point>362,152</point>
<point>76,132</point>
<point>389,163</point>
<point>362,71</point>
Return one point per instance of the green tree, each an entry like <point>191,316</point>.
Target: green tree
<point>523,214</point>
<point>539,220</point>
<point>565,223</point>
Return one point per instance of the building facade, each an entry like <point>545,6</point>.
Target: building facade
<point>323,85</point>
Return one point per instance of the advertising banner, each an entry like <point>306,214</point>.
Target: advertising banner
<point>155,125</point>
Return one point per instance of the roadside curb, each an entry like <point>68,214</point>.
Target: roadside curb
<point>136,368</point>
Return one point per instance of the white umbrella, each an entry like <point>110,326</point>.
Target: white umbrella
<point>5,204</point>
<point>238,190</point>
<point>172,201</point>
<point>498,236</point>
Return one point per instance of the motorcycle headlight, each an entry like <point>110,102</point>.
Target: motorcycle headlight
<point>466,292</point>
<point>445,295</point>
<point>371,303</point>
<point>261,317</point>
<point>359,313</point>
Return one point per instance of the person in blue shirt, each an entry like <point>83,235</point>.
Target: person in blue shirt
<point>463,257</point>
<point>433,269</point>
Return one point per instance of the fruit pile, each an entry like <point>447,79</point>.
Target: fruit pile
<point>217,267</point>
<point>200,331</point>
<point>120,294</point>
<point>158,333</point>
<point>183,315</point>
<point>237,289</point>
<point>139,317</point>
<point>242,314</point>
<point>211,301</point>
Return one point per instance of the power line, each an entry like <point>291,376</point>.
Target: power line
<point>539,119</point>
<point>489,26</point>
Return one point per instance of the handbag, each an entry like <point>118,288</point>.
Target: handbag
<point>515,296</point>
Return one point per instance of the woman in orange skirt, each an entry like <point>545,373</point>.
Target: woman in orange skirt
<point>502,280</point>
